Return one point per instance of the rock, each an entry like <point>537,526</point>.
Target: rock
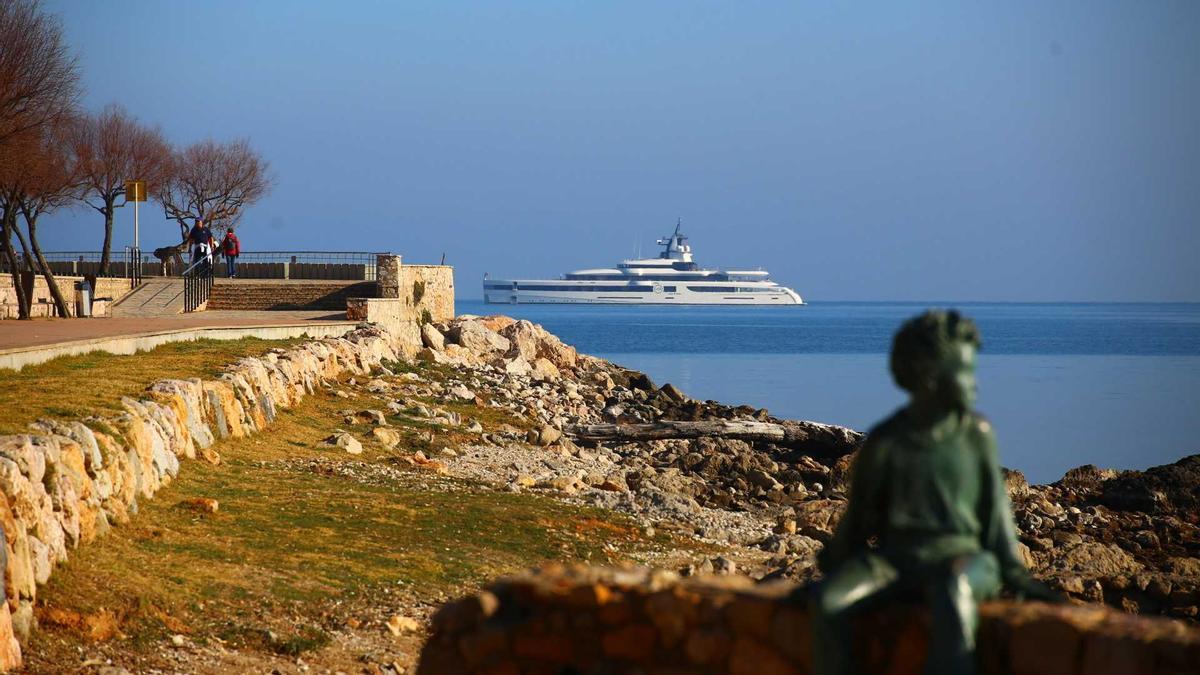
<point>1160,489</point>
<point>1095,559</point>
<point>476,337</point>
<point>518,367</point>
<point>548,435</point>
<point>433,356</point>
<point>346,442</point>
<point>640,381</point>
<point>432,338</point>
<point>398,624</point>
<point>201,504</point>
<point>388,438</point>
<point>462,393</point>
<point>368,417</point>
<point>523,337</point>
<point>1015,483</point>
<point>177,640</point>
<point>672,392</point>
<point>544,370</point>
<point>1085,479</point>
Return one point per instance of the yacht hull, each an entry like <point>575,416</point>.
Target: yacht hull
<point>777,296</point>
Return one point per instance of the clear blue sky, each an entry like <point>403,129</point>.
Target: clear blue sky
<point>862,151</point>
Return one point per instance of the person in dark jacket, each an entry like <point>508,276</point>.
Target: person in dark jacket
<point>201,240</point>
<point>231,248</point>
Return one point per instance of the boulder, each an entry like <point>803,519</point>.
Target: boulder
<point>523,337</point>
<point>346,442</point>
<point>1161,489</point>
<point>548,435</point>
<point>432,338</point>
<point>388,438</point>
<point>543,369</point>
<point>473,335</point>
<point>518,367</point>
<point>1094,559</point>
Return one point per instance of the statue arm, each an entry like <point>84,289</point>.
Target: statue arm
<point>858,522</point>
<point>999,530</point>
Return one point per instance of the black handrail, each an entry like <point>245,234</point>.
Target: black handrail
<point>197,284</point>
<point>133,265</point>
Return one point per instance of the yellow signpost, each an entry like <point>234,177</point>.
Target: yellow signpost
<point>135,190</point>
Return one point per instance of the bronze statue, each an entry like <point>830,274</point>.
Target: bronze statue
<point>926,490</point>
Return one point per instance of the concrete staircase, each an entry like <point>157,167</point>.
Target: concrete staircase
<point>253,294</point>
<point>155,296</point>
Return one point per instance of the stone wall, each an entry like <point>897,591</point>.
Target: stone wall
<point>107,291</point>
<point>429,288</point>
<point>408,296</point>
<point>64,484</point>
<point>595,620</point>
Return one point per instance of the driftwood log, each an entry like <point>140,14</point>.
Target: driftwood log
<point>810,437</point>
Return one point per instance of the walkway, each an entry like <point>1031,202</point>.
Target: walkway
<point>19,334</point>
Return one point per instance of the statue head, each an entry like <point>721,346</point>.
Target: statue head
<point>933,358</point>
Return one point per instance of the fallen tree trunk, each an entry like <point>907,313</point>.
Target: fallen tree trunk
<point>814,437</point>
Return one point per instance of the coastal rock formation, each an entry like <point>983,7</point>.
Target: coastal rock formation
<point>736,475</point>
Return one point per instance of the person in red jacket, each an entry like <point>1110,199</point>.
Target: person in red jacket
<point>231,248</point>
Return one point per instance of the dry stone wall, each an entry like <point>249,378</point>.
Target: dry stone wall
<point>596,620</point>
<point>64,484</point>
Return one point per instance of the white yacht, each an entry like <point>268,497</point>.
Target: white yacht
<point>670,279</point>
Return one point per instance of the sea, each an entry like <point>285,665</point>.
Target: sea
<point>1064,384</point>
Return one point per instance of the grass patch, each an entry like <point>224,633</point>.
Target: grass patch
<point>73,387</point>
<point>290,541</point>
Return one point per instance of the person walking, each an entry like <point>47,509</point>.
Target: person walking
<point>231,248</point>
<point>201,239</point>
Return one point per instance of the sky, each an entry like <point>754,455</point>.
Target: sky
<point>1016,151</point>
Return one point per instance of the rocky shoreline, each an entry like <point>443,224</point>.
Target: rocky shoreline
<point>1130,539</point>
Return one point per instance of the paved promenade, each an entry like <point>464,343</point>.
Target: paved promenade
<point>40,332</point>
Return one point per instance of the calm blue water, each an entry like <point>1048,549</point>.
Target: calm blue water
<point>1116,385</point>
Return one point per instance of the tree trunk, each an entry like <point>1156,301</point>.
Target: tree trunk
<point>55,292</point>
<point>814,437</point>
<point>7,225</point>
<point>106,252</point>
<point>25,253</point>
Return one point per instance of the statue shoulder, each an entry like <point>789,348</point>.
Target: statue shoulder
<point>889,427</point>
<point>885,433</point>
<point>981,432</point>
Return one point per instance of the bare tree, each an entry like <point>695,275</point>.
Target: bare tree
<point>47,179</point>
<point>39,80</point>
<point>213,182</point>
<point>39,85</point>
<point>110,148</point>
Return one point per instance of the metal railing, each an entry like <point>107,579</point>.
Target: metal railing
<point>133,266</point>
<point>332,265</point>
<point>87,263</point>
<point>197,284</point>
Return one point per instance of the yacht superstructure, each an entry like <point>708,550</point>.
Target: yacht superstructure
<point>672,278</point>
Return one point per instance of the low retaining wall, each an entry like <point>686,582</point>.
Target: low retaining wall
<point>20,357</point>
<point>42,304</point>
<point>595,620</point>
<point>67,483</point>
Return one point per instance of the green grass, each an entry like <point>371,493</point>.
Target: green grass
<point>73,387</point>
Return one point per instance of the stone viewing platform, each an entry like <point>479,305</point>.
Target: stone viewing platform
<point>603,620</point>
